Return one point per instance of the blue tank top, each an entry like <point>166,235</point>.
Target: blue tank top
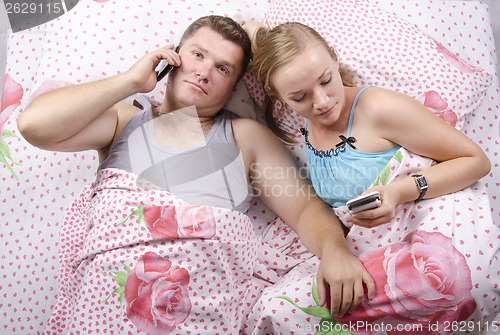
<point>343,173</point>
<point>210,174</point>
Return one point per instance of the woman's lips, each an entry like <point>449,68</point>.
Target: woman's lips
<point>326,113</point>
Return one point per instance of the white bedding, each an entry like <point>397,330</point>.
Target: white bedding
<point>38,185</point>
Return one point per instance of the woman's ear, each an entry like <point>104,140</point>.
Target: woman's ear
<point>334,54</point>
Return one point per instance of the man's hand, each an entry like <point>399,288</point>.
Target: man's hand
<point>340,282</point>
<point>143,73</point>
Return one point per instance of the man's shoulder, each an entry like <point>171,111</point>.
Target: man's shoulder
<point>249,130</point>
<point>253,137</point>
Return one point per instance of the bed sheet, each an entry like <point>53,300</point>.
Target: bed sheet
<point>36,186</point>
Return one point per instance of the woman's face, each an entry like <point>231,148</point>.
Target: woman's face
<point>311,85</point>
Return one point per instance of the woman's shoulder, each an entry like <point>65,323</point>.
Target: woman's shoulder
<point>378,101</point>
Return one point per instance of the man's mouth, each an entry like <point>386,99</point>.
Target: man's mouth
<point>198,87</point>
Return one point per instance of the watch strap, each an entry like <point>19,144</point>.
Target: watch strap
<point>422,185</point>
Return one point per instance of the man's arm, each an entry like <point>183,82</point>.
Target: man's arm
<point>86,116</point>
<point>276,180</point>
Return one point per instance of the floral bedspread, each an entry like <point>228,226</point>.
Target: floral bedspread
<point>135,259</point>
<point>138,260</point>
<point>436,269</point>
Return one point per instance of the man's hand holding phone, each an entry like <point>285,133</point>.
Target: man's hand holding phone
<point>143,74</point>
<point>166,69</point>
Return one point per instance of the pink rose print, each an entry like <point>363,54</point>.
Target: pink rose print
<point>184,221</point>
<point>438,106</point>
<point>196,222</point>
<point>46,86</point>
<point>156,295</point>
<point>454,60</point>
<point>422,279</point>
<point>11,99</point>
<point>161,221</point>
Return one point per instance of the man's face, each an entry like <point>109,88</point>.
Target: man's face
<point>210,67</point>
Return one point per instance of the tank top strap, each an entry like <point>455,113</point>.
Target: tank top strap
<point>352,110</point>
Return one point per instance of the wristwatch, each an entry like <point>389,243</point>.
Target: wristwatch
<point>421,184</point>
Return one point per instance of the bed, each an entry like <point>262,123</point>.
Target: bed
<point>394,44</point>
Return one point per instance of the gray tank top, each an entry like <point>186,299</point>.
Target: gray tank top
<point>211,173</point>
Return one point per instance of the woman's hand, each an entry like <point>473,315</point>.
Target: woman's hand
<point>384,214</point>
<point>340,281</point>
<point>251,28</point>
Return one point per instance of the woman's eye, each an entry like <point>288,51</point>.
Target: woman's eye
<point>327,81</point>
<point>299,99</point>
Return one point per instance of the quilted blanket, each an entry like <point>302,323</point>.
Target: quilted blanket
<point>436,269</point>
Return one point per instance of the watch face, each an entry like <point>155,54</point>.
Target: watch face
<point>422,183</point>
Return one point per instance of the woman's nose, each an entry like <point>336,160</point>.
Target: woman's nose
<point>320,100</point>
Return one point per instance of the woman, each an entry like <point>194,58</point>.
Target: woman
<point>297,67</point>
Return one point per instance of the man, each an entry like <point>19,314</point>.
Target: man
<point>213,54</point>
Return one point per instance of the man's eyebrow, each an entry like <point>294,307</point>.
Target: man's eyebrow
<point>220,61</point>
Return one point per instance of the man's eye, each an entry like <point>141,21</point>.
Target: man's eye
<point>223,69</point>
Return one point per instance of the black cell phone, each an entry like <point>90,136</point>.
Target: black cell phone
<point>166,69</point>
<point>363,202</point>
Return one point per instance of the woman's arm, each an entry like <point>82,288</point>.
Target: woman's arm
<point>405,121</point>
<point>277,182</point>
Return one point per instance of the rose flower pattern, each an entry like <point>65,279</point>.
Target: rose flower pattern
<point>419,280</point>
<point>184,221</point>
<point>12,94</point>
<point>438,106</point>
<point>157,295</point>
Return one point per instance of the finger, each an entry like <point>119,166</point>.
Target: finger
<point>369,223</point>
<point>335,300</point>
<point>167,47</point>
<point>320,284</point>
<point>347,296</point>
<point>370,284</point>
<point>369,213</point>
<point>168,54</point>
<point>357,296</point>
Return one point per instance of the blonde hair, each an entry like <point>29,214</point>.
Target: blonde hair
<point>277,47</point>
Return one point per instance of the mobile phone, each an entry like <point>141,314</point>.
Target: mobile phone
<point>364,202</point>
<point>166,69</point>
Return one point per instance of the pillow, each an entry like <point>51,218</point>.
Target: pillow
<point>464,15</point>
<point>383,50</point>
<point>99,39</point>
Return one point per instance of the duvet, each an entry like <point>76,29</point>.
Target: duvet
<point>135,259</point>
<point>435,266</point>
<point>138,260</point>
